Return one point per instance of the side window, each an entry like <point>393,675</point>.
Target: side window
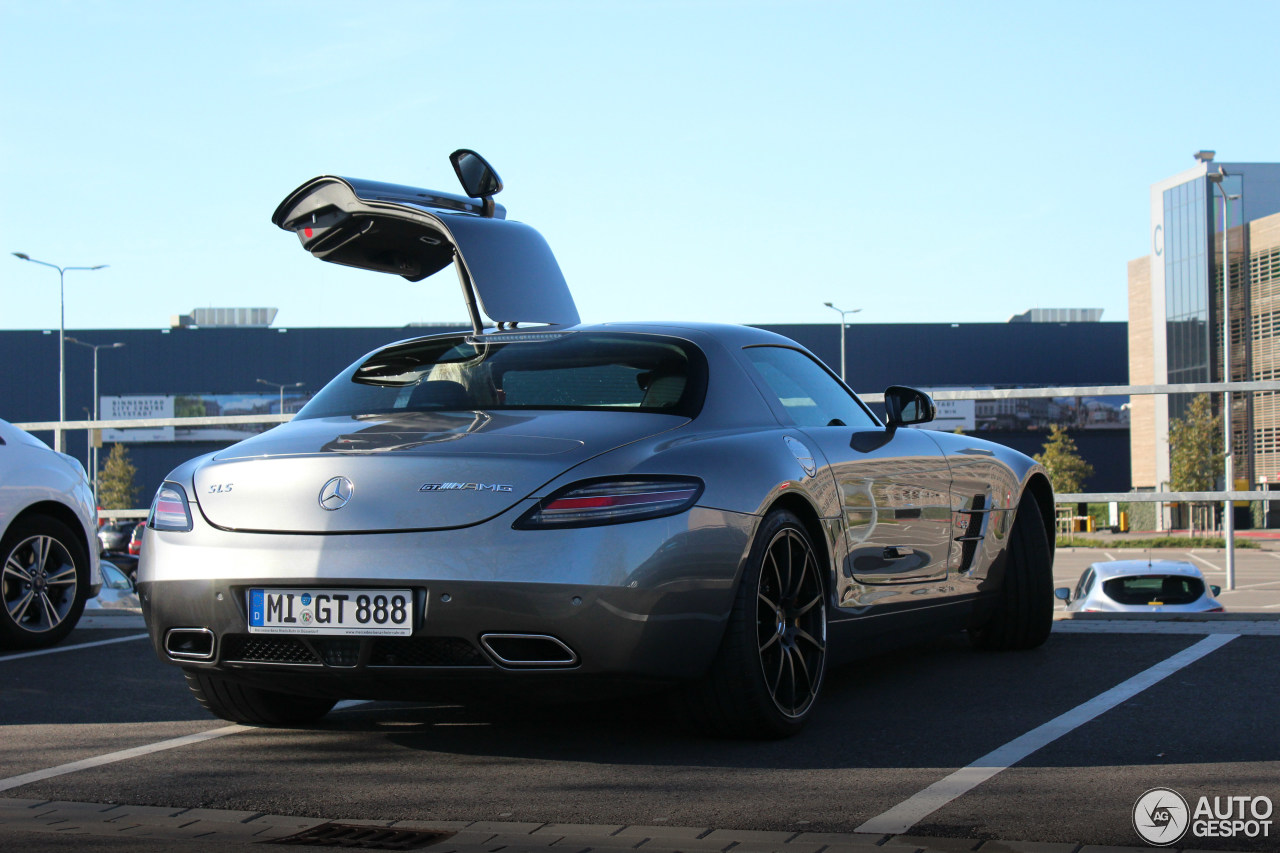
<point>811,396</point>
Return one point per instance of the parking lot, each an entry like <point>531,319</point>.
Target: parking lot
<point>933,748</point>
<point>1257,588</point>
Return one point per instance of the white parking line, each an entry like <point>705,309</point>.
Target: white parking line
<point>1206,562</point>
<point>911,811</point>
<point>112,757</point>
<point>1249,586</point>
<point>147,749</point>
<point>57,649</point>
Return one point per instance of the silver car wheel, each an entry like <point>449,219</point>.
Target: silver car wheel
<point>791,624</point>
<point>39,583</point>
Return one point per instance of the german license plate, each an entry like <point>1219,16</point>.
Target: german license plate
<point>358,612</point>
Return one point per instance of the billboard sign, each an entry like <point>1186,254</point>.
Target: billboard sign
<point>137,408</point>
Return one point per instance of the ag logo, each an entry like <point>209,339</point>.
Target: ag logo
<point>1161,816</point>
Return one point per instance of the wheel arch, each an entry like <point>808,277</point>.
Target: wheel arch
<point>808,514</point>
<point>1040,490</point>
<point>62,513</point>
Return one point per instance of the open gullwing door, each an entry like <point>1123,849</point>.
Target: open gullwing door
<point>507,269</point>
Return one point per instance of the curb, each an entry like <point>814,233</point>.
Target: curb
<point>192,826</point>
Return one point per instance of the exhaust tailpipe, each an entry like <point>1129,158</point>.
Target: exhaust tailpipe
<point>528,650</point>
<point>189,643</point>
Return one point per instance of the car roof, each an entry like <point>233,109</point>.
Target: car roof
<point>728,334</point>
<point>1126,568</point>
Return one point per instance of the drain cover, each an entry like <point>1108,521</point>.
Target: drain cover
<point>362,837</point>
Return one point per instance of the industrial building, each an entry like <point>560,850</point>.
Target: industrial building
<point>233,362</point>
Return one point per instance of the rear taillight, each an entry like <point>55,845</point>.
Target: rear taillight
<point>612,501</point>
<point>169,510</point>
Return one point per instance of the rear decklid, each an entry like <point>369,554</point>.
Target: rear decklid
<point>408,471</point>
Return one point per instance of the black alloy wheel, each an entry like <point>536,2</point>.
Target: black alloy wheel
<point>791,624</point>
<point>768,672</point>
<point>1022,616</point>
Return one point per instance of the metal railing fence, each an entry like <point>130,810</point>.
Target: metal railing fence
<point>59,427</point>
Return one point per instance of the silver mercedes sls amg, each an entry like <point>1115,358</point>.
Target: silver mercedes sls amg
<point>540,504</point>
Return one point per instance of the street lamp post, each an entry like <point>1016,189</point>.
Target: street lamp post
<point>62,333</point>
<point>93,469</point>
<point>842,333</point>
<point>1228,465</point>
<point>282,387</point>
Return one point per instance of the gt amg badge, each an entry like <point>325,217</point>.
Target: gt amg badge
<point>336,493</point>
<point>464,487</point>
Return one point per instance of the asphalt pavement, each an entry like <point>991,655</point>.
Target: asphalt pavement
<point>123,760</point>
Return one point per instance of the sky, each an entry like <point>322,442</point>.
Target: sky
<point>740,161</point>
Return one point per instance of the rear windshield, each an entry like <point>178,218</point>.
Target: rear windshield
<point>559,370</point>
<point>1152,589</point>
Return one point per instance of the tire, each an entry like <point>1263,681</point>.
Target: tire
<point>45,582</point>
<point>768,672</point>
<point>1023,614</point>
<point>253,706</point>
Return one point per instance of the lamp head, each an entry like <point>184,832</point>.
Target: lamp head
<point>22,255</point>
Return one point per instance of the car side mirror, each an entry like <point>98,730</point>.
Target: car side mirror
<point>1063,594</point>
<point>477,177</point>
<point>114,578</point>
<point>905,406</point>
<point>1215,589</point>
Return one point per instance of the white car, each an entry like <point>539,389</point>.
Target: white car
<point>1141,586</point>
<point>48,523</point>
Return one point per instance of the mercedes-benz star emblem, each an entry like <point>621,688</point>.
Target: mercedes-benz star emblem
<point>336,493</point>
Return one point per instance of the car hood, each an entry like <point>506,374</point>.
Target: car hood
<point>410,471</point>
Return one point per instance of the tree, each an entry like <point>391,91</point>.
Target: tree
<point>116,489</point>
<point>1195,448</point>
<point>1067,470</point>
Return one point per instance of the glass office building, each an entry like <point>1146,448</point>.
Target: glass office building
<point>1186,287</point>
<point>1175,297</point>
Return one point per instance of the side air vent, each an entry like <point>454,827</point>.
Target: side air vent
<point>972,532</point>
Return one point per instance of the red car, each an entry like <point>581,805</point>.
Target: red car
<point>135,541</point>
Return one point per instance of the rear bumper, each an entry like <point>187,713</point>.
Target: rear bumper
<point>642,600</point>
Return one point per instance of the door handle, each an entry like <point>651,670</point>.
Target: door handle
<point>892,553</point>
